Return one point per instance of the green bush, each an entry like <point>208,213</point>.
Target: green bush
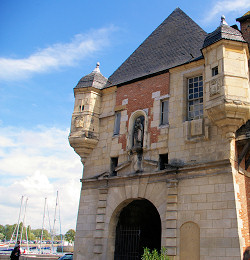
<point>155,255</point>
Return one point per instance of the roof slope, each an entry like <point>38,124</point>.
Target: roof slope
<point>176,41</point>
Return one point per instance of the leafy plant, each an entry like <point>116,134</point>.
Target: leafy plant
<point>155,255</point>
<point>70,235</point>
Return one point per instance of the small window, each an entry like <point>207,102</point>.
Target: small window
<point>163,161</point>
<point>113,165</point>
<point>195,98</point>
<point>117,123</point>
<point>214,71</point>
<point>164,112</point>
<point>81,108</point>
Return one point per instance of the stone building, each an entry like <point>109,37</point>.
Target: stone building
<point>165,144</point>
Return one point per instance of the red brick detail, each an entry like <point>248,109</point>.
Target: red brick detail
<point>139,95</point>
<point>243,197</point>
<point>122,140</point>
<point>245,29</point>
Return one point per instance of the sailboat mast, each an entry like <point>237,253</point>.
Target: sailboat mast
<point>19,219</point>
<point>43,225</point>
<point>23,226</point>
<point>53,233</point>
<point>62,242</point>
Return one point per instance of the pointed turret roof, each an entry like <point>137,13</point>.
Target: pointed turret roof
<point>224,31</point>
<point>94,79</point>
<point>176,41</point>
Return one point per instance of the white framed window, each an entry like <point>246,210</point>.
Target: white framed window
<point>117,123</point>
<point>164,112</point>
<point>195,97</point>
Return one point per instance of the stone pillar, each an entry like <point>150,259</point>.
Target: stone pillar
<point>100,221</point>
<point>171,218</point>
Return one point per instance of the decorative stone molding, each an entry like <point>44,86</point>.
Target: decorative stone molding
<point>195,131</point>
<point>215,86</point>
<point>79,121</point>
<point>83,144</point>
<point>229,115</point>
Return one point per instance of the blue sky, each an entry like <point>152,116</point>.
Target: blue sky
<point>46,47</point>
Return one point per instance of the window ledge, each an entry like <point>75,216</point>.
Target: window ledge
<point>164,126</point>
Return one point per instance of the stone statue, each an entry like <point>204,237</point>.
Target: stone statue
<point>138,133</point>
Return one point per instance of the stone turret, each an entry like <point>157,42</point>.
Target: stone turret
<point>84,134</point>
<point>226,78</point>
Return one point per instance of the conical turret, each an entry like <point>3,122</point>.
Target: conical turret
<point>226,78</point>
<point>84,134</point>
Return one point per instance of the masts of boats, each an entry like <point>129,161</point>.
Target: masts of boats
<point>54,223</point>
<point>42,226</point>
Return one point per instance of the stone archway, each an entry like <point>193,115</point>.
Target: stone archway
<point>139,226</point>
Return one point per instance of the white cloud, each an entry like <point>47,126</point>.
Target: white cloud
<point>38,163</point>
<point>55,56</point>
<point>224,7</point>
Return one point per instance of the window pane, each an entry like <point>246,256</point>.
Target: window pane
<point>195,97</point>
<point>117,123</point>
<point>164,112</point>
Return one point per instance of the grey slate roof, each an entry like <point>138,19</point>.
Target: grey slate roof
<point>224,31</point>
<point>94,79</point>
<point>176,41</point>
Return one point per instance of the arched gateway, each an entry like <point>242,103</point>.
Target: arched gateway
<point>138,226</point>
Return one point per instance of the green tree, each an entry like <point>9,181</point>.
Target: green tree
<point>70,235</point>
<point>9,229</point>
<point>2,236</point>
<point>2,229</point>
<point>37,233</point>
<point>58,237</point>
<point>31,236</point>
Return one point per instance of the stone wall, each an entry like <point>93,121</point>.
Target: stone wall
<point>197,140</point>
<point>210,203</point>
<point>200,194</point>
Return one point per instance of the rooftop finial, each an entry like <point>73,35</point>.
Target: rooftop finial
<point>97,67</point>
<point>223,20</point>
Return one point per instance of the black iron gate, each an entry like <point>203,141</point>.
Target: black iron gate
<point>127,243</point>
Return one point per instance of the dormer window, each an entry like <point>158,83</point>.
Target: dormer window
<point>215,71</point>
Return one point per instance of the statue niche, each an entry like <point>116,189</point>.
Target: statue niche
<point>138,132</point>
